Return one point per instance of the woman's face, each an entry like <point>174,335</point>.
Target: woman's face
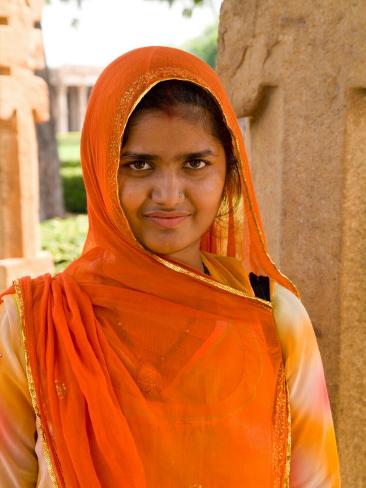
<point>171,180</point>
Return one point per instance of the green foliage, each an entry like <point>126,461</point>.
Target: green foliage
<point>69,147</point>
<point>72,180</point>
<point>188,5</point>
<point>76,2</point>
<point>205,45</point>
<point>74,190</point>
<point>64,238</point>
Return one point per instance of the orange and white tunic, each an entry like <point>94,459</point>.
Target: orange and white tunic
<point>314,461</point>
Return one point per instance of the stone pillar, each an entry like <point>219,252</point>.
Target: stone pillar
<point>62,124</point>
<point>83,101</point>
<point>73,108</point>
<point>23,99</point>
<point>297,70</point>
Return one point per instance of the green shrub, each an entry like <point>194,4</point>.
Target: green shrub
<point>74,190</point>
<point>72,181</point>
<point>64,238</point>
<point>69,147</point>
<point>205,45</point>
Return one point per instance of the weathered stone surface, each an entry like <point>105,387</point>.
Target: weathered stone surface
<point>351,400</point>
<point>11,269</point>
<point>23,100</point>
<point>297,70</point>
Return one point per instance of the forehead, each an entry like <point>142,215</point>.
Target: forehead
<point>181,126</point>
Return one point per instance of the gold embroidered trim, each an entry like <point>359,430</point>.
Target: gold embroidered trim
<point>214,284</point>
<point>31,386</point>
<point>286,483</point>
<point>143,84</point>
<point>282,433</point>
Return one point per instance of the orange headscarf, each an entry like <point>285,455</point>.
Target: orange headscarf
<point>145,373</point>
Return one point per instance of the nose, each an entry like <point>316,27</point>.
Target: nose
<point>167,190</point>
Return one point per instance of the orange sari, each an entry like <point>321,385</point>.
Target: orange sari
<point>145,373</point>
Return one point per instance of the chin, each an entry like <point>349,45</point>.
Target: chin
<point>164,250</point>
<point>166,246</point>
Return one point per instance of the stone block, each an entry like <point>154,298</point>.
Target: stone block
<point>21,41</point>
<point>23,101</point>
<point>14,268</point>
<point>297,71</point>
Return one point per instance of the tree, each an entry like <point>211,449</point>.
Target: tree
<point>50,183</point>
<point>51,193</point>
<point>51,203</point>
<point>205,45</point>
<point>188,5</point>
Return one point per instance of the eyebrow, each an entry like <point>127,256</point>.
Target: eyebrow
<point>151,157</point>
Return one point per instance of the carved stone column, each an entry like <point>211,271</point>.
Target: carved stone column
<point>297,70</point>
<point>83,101</point>
<point>23,99</point>
<point>62,124</point>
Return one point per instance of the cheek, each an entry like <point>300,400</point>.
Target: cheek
<point>131,196</point>
<point>208,194</point>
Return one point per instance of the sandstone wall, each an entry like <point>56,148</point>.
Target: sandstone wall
<point>297,71</point>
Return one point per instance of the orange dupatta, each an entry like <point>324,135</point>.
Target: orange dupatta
<point>144,373</point>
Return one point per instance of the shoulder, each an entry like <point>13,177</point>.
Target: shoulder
<point>292,321</point>
<point>287,307</point>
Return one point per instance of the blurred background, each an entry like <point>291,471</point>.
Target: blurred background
<point>80,38</point>
<point>295,72</point>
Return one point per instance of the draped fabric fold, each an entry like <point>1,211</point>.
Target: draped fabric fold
<point>145,373</point>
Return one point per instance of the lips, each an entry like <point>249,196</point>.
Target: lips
<point>167,219</point>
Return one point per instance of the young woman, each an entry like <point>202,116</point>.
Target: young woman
<point>173,353</point>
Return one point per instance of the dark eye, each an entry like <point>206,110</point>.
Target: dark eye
<point>195,164</point>
<point>139,165</point>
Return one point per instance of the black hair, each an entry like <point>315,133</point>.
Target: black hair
<point>166,95</point>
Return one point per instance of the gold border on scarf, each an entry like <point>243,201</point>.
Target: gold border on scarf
<point>281,467</point>
<point>286,483</point>
<point>31,385</point>
<point>215,284</point>
<point>148,81</point>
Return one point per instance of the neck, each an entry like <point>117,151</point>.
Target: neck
<point>188,257</point>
